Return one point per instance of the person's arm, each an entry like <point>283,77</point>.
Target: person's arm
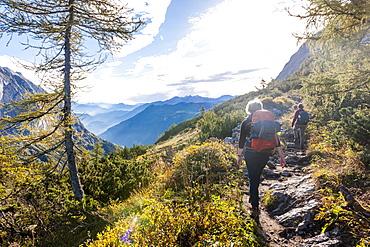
<point>242,140</point>
<point>240,156</point>
<point>295,118</point>
<point>281,155</point>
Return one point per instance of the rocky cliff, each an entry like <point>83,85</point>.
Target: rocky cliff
<point>13,85</point>
<point>295,62</point>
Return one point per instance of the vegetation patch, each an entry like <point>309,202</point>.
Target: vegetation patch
<point>335,170</point>
<point>197,203</point>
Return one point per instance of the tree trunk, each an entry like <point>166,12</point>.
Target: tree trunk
<point>75,180</point>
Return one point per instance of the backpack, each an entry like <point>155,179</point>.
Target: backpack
<point>303,117</point>
<point>263,130</point>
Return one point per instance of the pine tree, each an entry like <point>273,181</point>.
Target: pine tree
<point>328,20</point>
<point>60,30</point>
<point>338,84</point>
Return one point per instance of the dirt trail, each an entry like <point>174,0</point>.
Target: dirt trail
<point>274,234</point>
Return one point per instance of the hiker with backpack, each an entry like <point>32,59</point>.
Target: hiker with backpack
<point>299,125</point>
<point>258,138</point>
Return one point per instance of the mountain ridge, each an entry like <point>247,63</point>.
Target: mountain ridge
<point>13,85</point>
<point>294,62</point>
<point>113,115</point>
<point>147,126</point>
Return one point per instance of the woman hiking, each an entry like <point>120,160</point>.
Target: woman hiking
<point>255,160</point>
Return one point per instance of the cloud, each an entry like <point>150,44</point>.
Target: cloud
<point>229,50</point>
<point>153,14</point>
<point>225,76</point>
<point>235,35</point>
<point>149,97</point>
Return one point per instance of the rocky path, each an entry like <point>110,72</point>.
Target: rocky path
<point>290,221</point>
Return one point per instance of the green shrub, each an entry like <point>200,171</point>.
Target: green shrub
<point>204,224</point>
<point>218,125</point>
<point>115,177</point>
<point>207,164</point>
<point>269,201</point>
<point>334,167</point>
<point>355,123</point>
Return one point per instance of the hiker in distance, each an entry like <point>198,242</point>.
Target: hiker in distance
<point>255,149</point>
<point>299,125</point>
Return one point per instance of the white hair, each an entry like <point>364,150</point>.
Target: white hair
<point>253,106</point>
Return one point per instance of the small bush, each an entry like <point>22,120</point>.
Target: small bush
<point>269,201</point>
<point>115,177</point>
<point>335,167</point>
<point>207,164</point>
<point>196,202</point>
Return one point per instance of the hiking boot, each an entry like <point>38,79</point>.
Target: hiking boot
<point>254,212</point>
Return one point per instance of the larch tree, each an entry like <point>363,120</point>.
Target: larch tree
<point>60,31</point>
<point>339,83</point>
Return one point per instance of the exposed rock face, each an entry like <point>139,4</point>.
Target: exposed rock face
<point>294,63</point>
<point>13,85</point>
<point>322,240</point>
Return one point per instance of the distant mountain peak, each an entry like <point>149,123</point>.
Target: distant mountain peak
<point>98,119</point>
<point>294,63</point>
<point>193,99</point>
<point>13,85</point>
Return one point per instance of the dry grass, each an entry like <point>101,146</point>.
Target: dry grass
<point>179,141</point>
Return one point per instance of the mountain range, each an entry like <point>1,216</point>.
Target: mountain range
<point>147,126</point>
<point>99,117</point>
<point>141,124</point>
<point>120,124</point>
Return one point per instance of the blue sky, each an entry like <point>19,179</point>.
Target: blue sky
<point>190,47</point>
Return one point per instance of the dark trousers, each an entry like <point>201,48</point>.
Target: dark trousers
<point>299,131</point>
<point>256,161</point>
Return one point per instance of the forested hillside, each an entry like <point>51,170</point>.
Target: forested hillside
<point>185,189</point>
<point>145,127</point>
<point>99,117</point>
